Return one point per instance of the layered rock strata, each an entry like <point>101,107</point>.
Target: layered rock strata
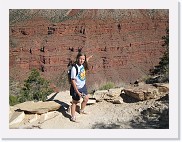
<point>125,47</point>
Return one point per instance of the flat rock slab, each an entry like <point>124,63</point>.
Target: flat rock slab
<point>38,107</point>
<point>16,117</point>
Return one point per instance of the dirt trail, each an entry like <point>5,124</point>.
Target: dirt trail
<point>106,115</point>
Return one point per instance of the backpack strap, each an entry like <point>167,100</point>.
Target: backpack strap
<point>76,69</point>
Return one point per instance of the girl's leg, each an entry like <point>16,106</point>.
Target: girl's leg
<point>73,109</point>
<point>83,104</point>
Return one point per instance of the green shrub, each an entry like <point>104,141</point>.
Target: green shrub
<point>35,88</point>
<point>162,69</point>
<point>107,86</point>
<point>13,100</point>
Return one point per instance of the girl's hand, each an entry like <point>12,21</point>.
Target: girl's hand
<point>79,94</point>
<point>88,58</point>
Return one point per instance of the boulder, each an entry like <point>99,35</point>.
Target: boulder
<point>100,95</point>
<point>110,94</point>
<point>146,91</point>
<point>139,95</point>
<point>163,88</point>
<point>38,107</point>
<point>115,92</point>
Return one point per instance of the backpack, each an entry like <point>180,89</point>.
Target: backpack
<point>69,72</point>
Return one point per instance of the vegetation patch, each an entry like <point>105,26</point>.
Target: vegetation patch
<point>161,71</point>
<point>107,86</point>
<point>35,88</point>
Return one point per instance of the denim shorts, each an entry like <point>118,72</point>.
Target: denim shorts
<point>74,95</point>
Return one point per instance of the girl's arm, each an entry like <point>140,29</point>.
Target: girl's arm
<point>88,58</point>
<point>75,88</point>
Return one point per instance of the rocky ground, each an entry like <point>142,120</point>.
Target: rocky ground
<point>129,114</point>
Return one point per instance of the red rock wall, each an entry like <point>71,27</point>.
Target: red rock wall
<point>123,50</point>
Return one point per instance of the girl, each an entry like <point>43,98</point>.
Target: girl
<point>78,87</point>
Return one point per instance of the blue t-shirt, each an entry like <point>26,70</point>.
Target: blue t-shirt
<point>80,78</point>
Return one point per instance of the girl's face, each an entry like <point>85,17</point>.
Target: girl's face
<point>81,60</point>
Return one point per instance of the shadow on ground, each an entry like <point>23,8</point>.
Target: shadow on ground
<point>63,109</point>
<point>106,126</point>
<point>153,118</point>
<point>64,106</point>
<point>151,121</point>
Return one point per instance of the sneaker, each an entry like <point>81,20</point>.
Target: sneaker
<point>73,119</point>
<point>83,112</point>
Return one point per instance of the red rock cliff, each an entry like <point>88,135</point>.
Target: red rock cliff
<point>125,47</point>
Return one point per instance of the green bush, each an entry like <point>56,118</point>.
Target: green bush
<point>35,88</point>
<point>107,86</point>
<point>163,68</point>
<point>13,100</point>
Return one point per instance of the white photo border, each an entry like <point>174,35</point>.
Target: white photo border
<point>171,133</point>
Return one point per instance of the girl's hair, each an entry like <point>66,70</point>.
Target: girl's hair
<point>85,64</point>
